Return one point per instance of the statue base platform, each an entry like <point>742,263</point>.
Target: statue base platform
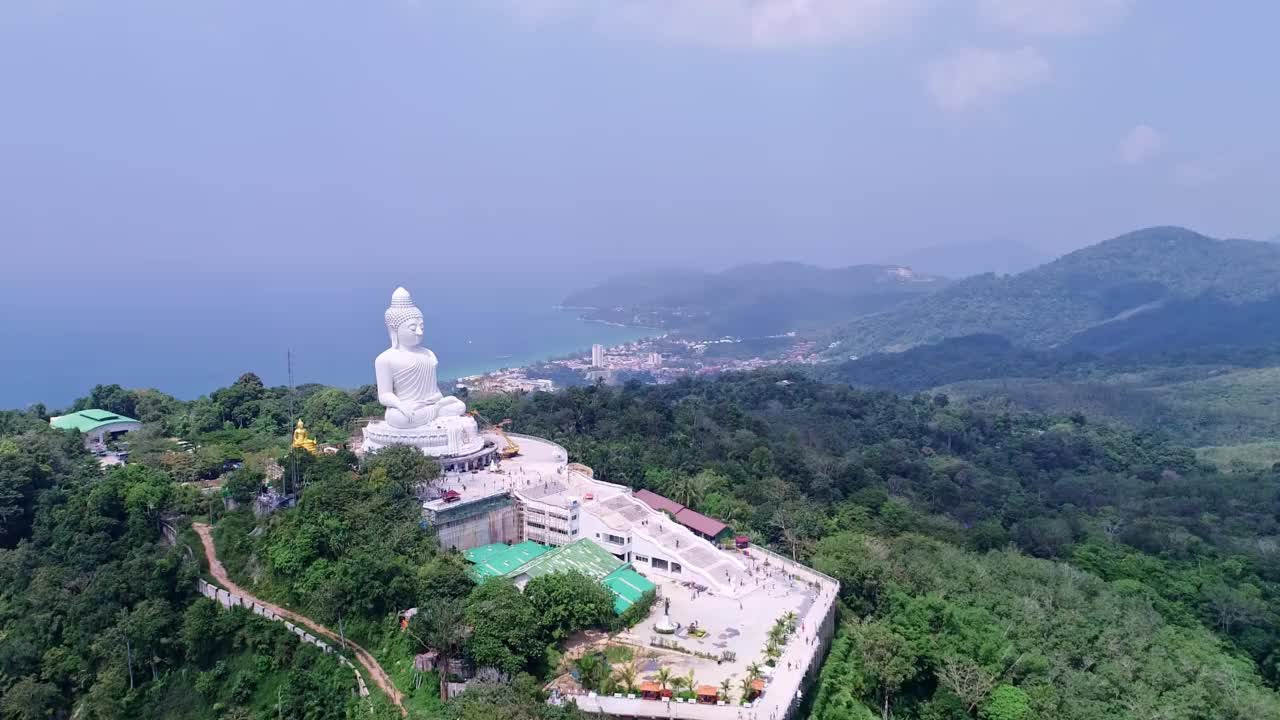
<point>444,437</point>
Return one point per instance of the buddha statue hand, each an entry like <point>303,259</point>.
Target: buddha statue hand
<point>419,414</point>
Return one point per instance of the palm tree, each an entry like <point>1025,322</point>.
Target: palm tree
<point>627,674</point>
<point>725,686</point>
<point>747,689</point>
<point>772,652</point>
<point>777,634</point>
<point>663,678</point>
<point>678,682</point>
<point>588,671</point>
<point>693,685</point>
<point>754,672</point>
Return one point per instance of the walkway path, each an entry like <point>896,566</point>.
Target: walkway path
<point>366,660</point>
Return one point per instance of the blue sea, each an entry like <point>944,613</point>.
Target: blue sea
<point>188,332</point>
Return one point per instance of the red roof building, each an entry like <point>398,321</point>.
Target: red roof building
<point>659,503</point>
<point>700,524</point>
<point>708,528</point>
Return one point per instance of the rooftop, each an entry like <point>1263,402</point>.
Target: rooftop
<point>499,559</point>
<point>534,560</point>
<point>88,420</point>
<point>701,523</point>
<point>657,502</point>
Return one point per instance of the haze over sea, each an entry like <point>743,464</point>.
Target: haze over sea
<point>189,332</point>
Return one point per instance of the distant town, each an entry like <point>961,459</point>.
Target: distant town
<point>656,360</point>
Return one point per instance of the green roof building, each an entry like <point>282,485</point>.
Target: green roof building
<point>499,559</point>
<point>529,560</point>
<point>98,426</point>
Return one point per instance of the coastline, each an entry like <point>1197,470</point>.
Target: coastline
<point>549,341</point>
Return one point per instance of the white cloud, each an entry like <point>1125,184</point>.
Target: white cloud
<point>972,77</point>
<point>734,23</point>
<point>1194,172</point>
<point>1140,144</point>
<point>1056,17</point>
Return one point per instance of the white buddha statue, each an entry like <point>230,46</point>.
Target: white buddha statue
<point>407,373</point>
<point>418,414</point>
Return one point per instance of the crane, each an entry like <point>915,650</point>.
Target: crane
<point>511,449</point>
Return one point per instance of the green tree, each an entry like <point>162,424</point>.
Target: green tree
<point>506,631</point>
<point>888,658</point>
<point>332,406</point>
<point>29,699</point>
<point>566,602</point>
<point>400,468</point>
<point>1006,703</point>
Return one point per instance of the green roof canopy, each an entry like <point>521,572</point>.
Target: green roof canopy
<point>627,586</point>
<point>88,420</point>
<point>500,559</point>
<point>583,556</point>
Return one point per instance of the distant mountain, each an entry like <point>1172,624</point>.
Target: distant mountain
<point>966,259</point>
<point>753,300</point>
<point>1144,279</point>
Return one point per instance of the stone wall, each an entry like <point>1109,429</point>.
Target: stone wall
<point>230,600</point>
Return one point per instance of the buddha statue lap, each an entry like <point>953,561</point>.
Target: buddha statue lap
<point>417,413</point>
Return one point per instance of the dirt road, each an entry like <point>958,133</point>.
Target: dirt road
<point>366,660</point>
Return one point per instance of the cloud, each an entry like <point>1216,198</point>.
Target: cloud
<point>734,23</point>
<point>972,77</point>
<point>1195,172</point>
<point>1140,144</point>
<point>1054,17</point>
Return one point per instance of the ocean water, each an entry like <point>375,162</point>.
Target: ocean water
<point>189,333</point>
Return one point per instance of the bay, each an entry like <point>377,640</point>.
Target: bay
<point>189,332</point>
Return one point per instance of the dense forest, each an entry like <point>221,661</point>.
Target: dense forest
<point>993,565</point>
<point>1209,395</point>
<point>99,614</point>
<point>1072,569</point>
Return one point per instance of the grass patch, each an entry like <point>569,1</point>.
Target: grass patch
<point>1245,456</point>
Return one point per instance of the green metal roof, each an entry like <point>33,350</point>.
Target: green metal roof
<point>583,556</point>
<point>88,420</point>
<point>500,559</point>
<point>627,586</point>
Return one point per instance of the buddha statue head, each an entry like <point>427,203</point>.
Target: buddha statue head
<point>404,320</point>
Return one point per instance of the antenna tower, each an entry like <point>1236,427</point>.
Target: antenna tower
<point>293,457</point>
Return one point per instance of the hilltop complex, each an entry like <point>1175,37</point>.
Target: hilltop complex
<point>526,514</point>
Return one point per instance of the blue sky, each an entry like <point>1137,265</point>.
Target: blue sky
<point>576,137</point>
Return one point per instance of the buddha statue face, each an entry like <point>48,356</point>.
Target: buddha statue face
<point>409,334</point>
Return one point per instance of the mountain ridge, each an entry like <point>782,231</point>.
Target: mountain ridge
<point>754,299</point>
<point>1084,289</point>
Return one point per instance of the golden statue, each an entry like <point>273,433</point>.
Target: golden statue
<point>300,439</point>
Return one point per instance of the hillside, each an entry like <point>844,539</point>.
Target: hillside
<point>1212,395</point>
<point>1128,279</point>
<point>752,300</point>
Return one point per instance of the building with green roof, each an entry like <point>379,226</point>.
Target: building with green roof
<point>529,560</point>
<point>500,559</point>
<point>98,426</point>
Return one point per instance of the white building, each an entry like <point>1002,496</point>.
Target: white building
<point>597,355</point>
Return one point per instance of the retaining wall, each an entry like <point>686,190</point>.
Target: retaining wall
<point>230,600</point>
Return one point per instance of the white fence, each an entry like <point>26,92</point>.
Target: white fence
<point>230,600</point>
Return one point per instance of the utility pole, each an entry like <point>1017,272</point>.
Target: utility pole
<point>293,458</point>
